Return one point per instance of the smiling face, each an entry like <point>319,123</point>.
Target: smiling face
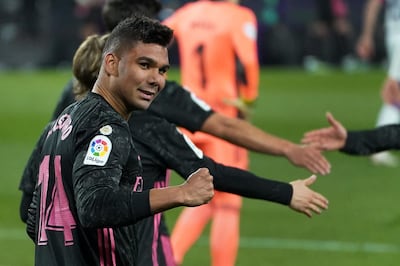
<point>135,63</point>
<point>140,74</point>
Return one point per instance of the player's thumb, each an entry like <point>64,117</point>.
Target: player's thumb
<point>309,181</point>
<point>329,117</point>
<point>332,121</point>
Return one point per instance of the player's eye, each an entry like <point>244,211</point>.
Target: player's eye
<point>144,65</point>
<point>163,70</point>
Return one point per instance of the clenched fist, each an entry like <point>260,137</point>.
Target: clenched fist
<point>198,188</point>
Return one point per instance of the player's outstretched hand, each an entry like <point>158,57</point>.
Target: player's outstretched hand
<point>198,188</point>
<point>308,157</point>
<point>329,138</point>
<point>305,200</point>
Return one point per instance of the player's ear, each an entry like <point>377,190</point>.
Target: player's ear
<point>111,64</point>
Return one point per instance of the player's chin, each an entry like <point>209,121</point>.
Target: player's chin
<point>143,104</point>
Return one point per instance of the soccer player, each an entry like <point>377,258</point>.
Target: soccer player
<point>219,63</point>
<point>89,188</point>
<point>162,146</point>
<point>390,91</point>
<point>356,142</point>
<point>329,39</point>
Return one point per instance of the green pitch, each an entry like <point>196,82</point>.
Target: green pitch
<point>361,227</point>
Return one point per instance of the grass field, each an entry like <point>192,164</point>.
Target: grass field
<point>361,227</point>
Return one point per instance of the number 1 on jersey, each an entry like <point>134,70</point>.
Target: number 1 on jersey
<point>200,53</point>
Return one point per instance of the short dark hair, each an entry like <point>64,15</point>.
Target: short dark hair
<point>114,11</point>
<point>137,29</point>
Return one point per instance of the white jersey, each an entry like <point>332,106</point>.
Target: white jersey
<point>392,24</point>
<point>392,16</point>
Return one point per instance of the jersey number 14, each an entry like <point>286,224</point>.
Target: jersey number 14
<point>55,216</point>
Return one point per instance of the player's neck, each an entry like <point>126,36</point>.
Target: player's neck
<point>115,102</point>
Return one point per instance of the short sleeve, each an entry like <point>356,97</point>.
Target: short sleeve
<point>180,107</point>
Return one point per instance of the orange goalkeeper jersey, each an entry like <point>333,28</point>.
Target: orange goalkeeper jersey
<point>211,36</point>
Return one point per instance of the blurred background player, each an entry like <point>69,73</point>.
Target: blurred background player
<point>219,63</point>
<point>330,37</point>
<point>390,91</point>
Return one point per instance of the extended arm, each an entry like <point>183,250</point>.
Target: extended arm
<point>244,37</point>
<point>244,134</point>
<point>103,203</point>
<point>195,115</point>
<point>297,194</point>
<point>329,138</point>
<point>363,142</point>
<point>366,142</point>
<point>160,142</point>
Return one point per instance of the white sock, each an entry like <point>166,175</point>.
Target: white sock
<point>388,114</point>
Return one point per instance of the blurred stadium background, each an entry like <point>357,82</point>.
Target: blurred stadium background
<point>45,33</point>
<point>362,225</point>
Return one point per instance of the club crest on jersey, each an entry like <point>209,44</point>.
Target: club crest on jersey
<point>106,130</point>
<point>99,150</point>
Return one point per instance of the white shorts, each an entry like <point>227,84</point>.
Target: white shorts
<point>393,53</point>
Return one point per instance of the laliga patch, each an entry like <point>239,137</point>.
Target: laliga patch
<point>98,152</point>
<point>106,130</point>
